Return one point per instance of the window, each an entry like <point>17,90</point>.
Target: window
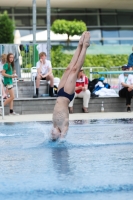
<point>70,17</point>
<point>95,34</point>
<point>24,32</point>
<point>21,10</point>
<point>125,19</point>
<point>91,20</point>
<point>110,33</point>
<point>126,33</point>
<point>41,11</point>
<point>126,42</point>
<point>8,9</point>
<point>108,20</point>
<point>41,21</point>
<point>110,36</point>
<point>68,10</point>
<point>107,11</point>
<point>22,21</point>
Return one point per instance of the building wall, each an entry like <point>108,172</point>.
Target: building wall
<point>106,26</point>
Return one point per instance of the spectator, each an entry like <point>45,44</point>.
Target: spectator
<point>9,72</point>
<point>44,72</point>
<point>81,91</point>
<point>3,61</point>
<point>126,86</point>
<point>130,60</point>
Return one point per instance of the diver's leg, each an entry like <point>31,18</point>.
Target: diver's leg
<point>72,63</point>
<point>71,80</point>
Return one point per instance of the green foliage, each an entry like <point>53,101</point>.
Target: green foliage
<point>6,29</point>
<point>105,60</point>
<point>59,59</point>
<point>27,58</point>
<point>70,28</point>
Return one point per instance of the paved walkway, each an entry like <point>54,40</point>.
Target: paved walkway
<point>76,116</point>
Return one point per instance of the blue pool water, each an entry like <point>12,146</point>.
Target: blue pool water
<point>94,162</point>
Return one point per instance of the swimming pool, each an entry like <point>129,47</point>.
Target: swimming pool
<point>95,161</point>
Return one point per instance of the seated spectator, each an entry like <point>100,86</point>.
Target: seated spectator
<point>81,91</point>
<point>130,60</point>
<point>2,62</point>
<point>126,86</point>
<point>44,72</point>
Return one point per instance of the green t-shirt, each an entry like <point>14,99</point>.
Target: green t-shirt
<point>8,70</point>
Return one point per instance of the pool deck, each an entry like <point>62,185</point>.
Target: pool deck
<point>75,116</point>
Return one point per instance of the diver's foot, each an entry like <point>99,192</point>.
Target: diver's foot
<point>82,38</point>
<point>86,42</point>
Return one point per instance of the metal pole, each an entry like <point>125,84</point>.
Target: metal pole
<point>34,28</point>
<point>48,28</point>
<point>34,21</point>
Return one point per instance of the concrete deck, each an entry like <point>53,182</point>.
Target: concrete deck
<point>76,116</point>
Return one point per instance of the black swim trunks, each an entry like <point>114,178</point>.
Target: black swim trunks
<point>62,93</point>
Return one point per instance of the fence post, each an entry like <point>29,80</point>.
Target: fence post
<point>48,28</point>
<point>34,29</point>
<point>90,74</point>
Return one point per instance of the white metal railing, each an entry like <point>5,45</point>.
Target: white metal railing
<point>58,72</point>
<point>1,100</point>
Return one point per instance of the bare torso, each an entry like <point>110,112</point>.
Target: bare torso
<point>61,114</point>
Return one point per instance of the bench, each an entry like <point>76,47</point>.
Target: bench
<point>45,105</point>
<point>26,89</point>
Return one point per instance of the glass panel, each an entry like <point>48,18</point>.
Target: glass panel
<point>111,42</point>
<point>41,21</point>
<point>68,17</point>
<point>125,19</point>
<point>76,10</point>
<point>126,32</point>
<point>41,10</point>
<point>91,20</point>
<point>107,20</point>
<point>95,42</point>
<point>107,11</point>
<point>91,10</point>
<point>23,10</point>
<point>68,10</point>
<point>128,42</point>
<point>124,11</point>
<point>8,9</point>
<point>95,34</point>
<point>110,33</point>
<point>24,32</point>
<point>22,21</point>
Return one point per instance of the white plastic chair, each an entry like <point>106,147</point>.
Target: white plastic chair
<point>33,76</point>
<point>56,81</point>
<point>15,83</point>
<point>1,100</point>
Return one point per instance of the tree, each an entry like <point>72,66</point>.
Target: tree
<point>70,28</point>
<point>6,29</point>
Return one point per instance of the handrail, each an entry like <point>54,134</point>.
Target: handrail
<point>59,69</point>
<point>113,72</point>
<point>1,100</point>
